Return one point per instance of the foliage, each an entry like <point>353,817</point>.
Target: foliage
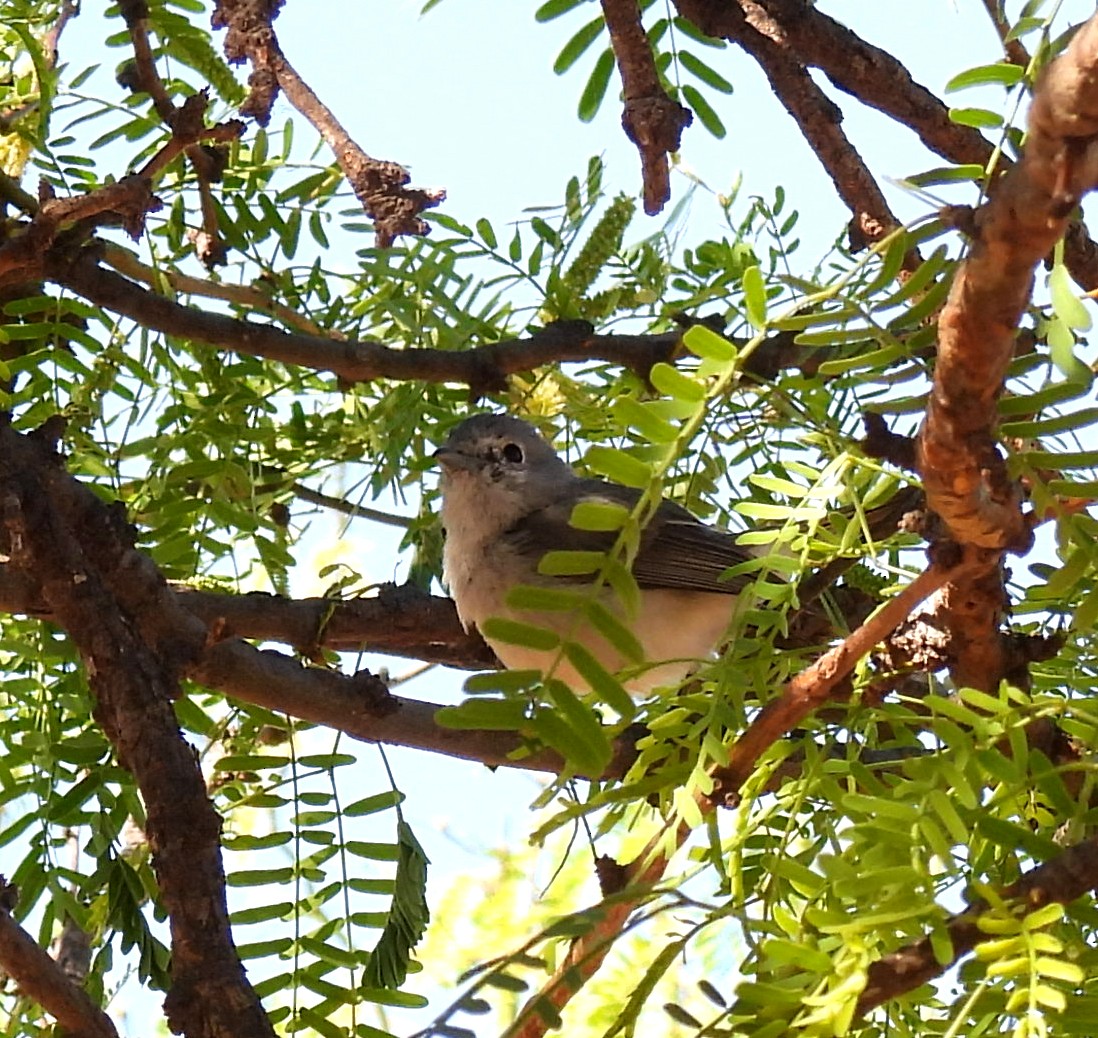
<point>773,911</point>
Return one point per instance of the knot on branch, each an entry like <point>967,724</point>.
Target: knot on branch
<point>380,186</point>
<point>374,694</point>
<point>654,123</point>
<point>248,24</point>
<point>262,94</point>
<point>882,443</point>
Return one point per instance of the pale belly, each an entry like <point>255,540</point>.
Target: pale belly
<point>676,629</point>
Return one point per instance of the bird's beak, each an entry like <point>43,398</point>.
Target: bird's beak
<point>451,459</point>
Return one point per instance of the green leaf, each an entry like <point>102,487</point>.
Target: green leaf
<point>754,296</point>
<point>487,233</point>
<point>981,118</point>
<point>259,877</point>
<point>263,913</point>
<point>598,515</point>
<point>514,632</point>
<point>571,563</point>
<point>600,680</point>
<point>550,599</point>
<point>491,715</point>
<point>408,916</point>
<point>705,343</point>
<point>1003,73</point>
<point>326,760</point>
<point>615,632</point>
<point>644,419</point>
<point>674,383</point>
<point>555,8</point>
<point>506,681</point>
<point>574,49</point>
<point>705,112</point>
<point>618,466</point>
<point>1061,349</point>
<point>709,76</point>
<point>373,849</point>
<point>1067,305</point>
<point>595,90</point>
<point>573,729</point>
<point>372,804</point>
<point>947,175</point>
<point>1052,425</point>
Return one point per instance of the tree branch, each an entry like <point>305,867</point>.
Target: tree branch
<point>250,296</point>
<point>42,980</point>
<point>379,185</point>
<point>484,369</point>
<point>109,598</point>
<point>651,119</point>
<point>876,79</point>
<point>817,117</point>
<point>871,75</point>
<point>963,471</point>
<point>1014,50</point>
<point>801,696</point>
<point>816,684</point>
<point>183,121</point>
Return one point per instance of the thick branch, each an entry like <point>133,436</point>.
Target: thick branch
<point>485,368</point>
<point>42,980</point>
<point>360,705</point>
<point>110,598</point>
<point>873,76</point>
<point>817,117</point>
<point>963,471</point>
<point>651,119</point>
<point>878,80</point>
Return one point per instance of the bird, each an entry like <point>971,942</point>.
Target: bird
<point>507,500</point>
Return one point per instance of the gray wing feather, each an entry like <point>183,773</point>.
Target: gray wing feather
<point>677,551</point>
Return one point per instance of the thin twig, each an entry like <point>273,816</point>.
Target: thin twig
<point>652,120</point>
<point>380,186</point>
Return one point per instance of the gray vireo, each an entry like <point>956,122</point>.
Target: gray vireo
<point>507,499</point>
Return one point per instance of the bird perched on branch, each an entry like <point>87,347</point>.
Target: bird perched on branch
<point>508,499</point>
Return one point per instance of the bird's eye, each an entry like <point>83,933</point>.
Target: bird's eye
<point>512,452</point>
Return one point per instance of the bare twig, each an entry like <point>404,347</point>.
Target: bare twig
<point>817,117</point>
<point>358,511</point>
<point>379,185</point>
<point>651,119</point>
<point>248,296</point>
<point>1014,49</point>
<point>183,121</point>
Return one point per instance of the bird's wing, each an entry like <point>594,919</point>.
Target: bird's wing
<point>677,551</point>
